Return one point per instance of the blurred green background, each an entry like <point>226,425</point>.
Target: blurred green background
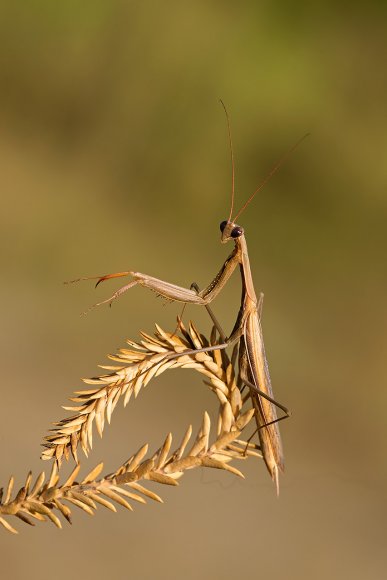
<point>113,156</point>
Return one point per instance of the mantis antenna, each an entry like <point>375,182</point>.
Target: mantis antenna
<point>273,170</point>
<point>232,160</point>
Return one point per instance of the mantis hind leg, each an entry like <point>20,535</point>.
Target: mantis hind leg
<point>265,396</point>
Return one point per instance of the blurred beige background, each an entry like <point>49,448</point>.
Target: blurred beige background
<point>113,155</point>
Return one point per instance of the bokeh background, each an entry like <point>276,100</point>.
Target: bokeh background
<point>113,155</point>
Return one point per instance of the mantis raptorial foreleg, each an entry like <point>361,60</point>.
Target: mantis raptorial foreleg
<point>172,291</point>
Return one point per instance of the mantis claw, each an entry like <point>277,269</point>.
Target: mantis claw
<point>108,276</point>
<point>98,278</point>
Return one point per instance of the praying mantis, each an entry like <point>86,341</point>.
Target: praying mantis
<point>247,331</point>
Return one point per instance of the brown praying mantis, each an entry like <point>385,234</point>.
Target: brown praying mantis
<point>252,362</point>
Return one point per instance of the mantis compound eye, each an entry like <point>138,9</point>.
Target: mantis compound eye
<point>236,232</point>
<point>223,225</point>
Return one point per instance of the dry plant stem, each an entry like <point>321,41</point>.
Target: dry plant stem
<point>138,365</point>
<point>46,499</point>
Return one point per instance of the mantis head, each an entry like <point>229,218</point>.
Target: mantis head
<point>230,231</point>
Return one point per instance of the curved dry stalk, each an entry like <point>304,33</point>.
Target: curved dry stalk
<point>146,359</point>
<point>46,499</point>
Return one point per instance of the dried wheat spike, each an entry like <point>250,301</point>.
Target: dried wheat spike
<point>137,366</point>
<point>45,500</point>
